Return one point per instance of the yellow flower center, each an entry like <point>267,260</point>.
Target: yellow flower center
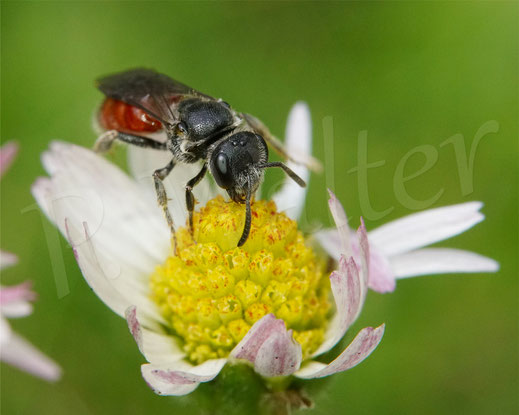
<point>213,292</point>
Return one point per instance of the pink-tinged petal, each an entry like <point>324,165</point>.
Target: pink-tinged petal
<point>180,378</point>
<point>358,350</point>
<point>362,237</point>
<point>440,261</point>
<point>7,259</point>
<point>280,355</point>
<point>158,348</point>
<point>7,154</point>
<point>134,325</point>
<point>346,289</point>
<point>381,276</point>
<point>270,348</point>
<point>425,228</point>
<point>341,222</point>
<point>20,353</point>
<point>248,347</point>
<point>349,288</point>
<point>298,143</point>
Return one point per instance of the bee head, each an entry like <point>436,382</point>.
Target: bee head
<point>235,164</point>
<point>238,165</point>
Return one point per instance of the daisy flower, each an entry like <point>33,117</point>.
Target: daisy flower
<point>15,302</point>
<point>272,304</point>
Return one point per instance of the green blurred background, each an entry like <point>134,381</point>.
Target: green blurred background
<point>410,73</point>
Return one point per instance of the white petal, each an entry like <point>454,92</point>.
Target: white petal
<point>93,270</point>
<point>440,261</point>
<point>143,162</point>
<point>270,347</point>
<point>358,350</point>
<point>158,348</point>
<point>84,187</point>
<point>7,259</point>
<point>330,242</point>
<point>425,228</point>
<point>7,154</point>
<point>119,236</point>
<point>20,353</point>
<point>298,142</point>
<point>341,222</point>
<point>180,378</point>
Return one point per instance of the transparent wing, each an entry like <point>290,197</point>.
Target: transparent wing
<point>299,158</point>
<point>153,92</point>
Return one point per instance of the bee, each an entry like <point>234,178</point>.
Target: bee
<point>232,146</point>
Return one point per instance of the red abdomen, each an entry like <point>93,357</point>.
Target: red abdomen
<point>120,116</point>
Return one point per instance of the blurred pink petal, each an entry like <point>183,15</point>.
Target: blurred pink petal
<point>7,154</point>
<point>20,353</point>
<point>15,300</point>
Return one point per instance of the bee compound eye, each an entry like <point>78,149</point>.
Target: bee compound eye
<point>221,163</point>
<point>221,170</point>
<point>182,127</point>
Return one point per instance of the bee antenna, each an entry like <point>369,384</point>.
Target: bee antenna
<point>248,217</point>
<point>287,170</point>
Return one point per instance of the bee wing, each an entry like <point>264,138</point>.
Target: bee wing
<point>153,92</point>
<point>299,158</point>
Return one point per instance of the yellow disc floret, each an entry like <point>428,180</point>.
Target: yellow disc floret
<point>212,292</point>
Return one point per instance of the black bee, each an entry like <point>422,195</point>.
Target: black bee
<point>198,127</point>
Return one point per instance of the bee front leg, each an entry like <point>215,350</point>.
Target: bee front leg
<point>190,199</point>
<point>162,198</point>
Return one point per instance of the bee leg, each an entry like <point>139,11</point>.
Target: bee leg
<point>105,141</point>
<point>248,219</point>
<point>190,199</point>
<point>162,198</point>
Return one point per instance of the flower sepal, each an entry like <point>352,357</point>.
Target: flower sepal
<point>238,389</point>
